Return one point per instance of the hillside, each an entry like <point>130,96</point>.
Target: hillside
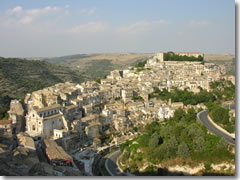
<point>227,60</point>
<point>20,76</point>
<point>98,65</point>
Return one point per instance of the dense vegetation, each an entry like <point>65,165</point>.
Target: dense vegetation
<point>20,76</point>
<point>221,90</point>
<point>140,66</point>
<point>137,98</point>
<point>220,115</point>
<point>4,107</point>
<point>184,96</point>
<point>180,139</point>
<point>98,68</point>
<point>171,56</point>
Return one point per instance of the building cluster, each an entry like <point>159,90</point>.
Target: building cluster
<point>69,110</point>
<point>75,114</point>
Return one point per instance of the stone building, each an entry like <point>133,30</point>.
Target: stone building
<point>5,128</point>
<point>16,115</point>
<point>42,122</point>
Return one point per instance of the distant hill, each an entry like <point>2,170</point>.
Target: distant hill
<point>98,65</point>
<point>228,60</point>
<point>20,76</point>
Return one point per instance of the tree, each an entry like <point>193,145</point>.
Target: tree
<point>151,128</point>
<point>98,80</point>
<point>161,152</point>
<point>191,115</point>
<point>194,131</point>
<point>137,98</point>
<point>154,141</point>
<point>178,114</point>
<point>220,114</point>
<point>172,145</point>
<point>183,150</point>
<point>199,145</point>
<point>222,144</point>
<point>143,140</point>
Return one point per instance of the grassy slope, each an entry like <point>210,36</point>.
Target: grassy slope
<point>98,65</point>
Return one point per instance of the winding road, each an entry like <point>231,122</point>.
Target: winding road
<point>111,164</point>
<point>203,117</point>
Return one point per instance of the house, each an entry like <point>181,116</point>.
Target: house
<point>5,128</point>
<point>56,154</point>
<point>165,112</point>
<point>93,129</point>
<point>16,115</point>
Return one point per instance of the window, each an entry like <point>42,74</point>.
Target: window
<point>33,128</point>
<point>39,123</point>
<point>40,115</point>
<point>33,115</point>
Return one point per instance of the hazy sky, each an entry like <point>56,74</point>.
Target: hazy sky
<point>59,27</point>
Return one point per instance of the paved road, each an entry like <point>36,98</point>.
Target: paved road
<point>111,164</point>
<point>203,117</point>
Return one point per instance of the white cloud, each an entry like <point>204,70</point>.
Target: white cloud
<point>16,10</point>
<point>195,22</point>
<point>91,27</point>
<point>140,27</point>
<point>29,15</point>
<point>41,11</point>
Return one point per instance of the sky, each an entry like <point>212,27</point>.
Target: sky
<point>50,28</point>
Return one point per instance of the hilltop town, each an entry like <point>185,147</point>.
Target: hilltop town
<point>59,121</point>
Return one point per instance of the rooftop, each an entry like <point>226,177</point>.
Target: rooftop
<point>4,122</point>
<point>48,108</point>
<point>71,106</point>
<point>53,116</point>
<point>89,117</point>
<point>56,152</point>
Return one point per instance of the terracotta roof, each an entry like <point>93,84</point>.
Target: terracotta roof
<point>3,122</point>
<point>56,152</point>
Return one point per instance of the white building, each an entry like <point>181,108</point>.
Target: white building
<point>42,122</point>
<point>165,112</point>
